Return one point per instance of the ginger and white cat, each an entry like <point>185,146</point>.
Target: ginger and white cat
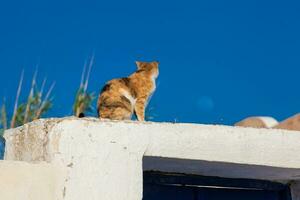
<point>121,98</point>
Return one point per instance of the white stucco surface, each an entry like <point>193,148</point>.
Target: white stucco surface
<point>105,159</point>
<point>24,181</point>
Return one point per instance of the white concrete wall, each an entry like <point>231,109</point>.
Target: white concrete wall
<point>104,159</point>
<point>24,181</point>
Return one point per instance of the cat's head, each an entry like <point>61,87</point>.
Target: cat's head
<point>151,67</point>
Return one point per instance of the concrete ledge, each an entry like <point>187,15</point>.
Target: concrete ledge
<point>104,155</point>
<point>265,147</point>
<point>24,181</point>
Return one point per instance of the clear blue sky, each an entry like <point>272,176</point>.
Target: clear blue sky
<point>220,61</point>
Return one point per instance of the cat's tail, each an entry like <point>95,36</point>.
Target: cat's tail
<point>81,115</point>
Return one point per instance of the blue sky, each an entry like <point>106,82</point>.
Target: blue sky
<point>220,61</point>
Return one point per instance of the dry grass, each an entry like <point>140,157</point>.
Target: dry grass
<point>36,106</point>
<point>84,99</point>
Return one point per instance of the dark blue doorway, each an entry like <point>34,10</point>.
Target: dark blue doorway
<point>164,186</point>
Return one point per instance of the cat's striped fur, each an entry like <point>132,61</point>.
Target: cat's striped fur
<point>121,98</point>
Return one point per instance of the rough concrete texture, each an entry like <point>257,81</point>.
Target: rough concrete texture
<point>102,156</point>
<point>31,141</point>
<point>24,181</point>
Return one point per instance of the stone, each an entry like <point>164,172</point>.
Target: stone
<point>258,122</point>
<point>292,123</point>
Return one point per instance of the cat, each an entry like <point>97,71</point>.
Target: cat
<point>120,98</point>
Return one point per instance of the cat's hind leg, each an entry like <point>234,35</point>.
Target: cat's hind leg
<point>140,107</point>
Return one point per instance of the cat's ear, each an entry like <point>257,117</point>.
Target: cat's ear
<point>156,62</point>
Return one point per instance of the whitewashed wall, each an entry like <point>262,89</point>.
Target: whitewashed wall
<point>105,160</point>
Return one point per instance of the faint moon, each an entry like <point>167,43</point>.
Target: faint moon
<point>205,104</point>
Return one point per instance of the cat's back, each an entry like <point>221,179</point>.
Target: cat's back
<point>114,86</point>
<point>116,99</point>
